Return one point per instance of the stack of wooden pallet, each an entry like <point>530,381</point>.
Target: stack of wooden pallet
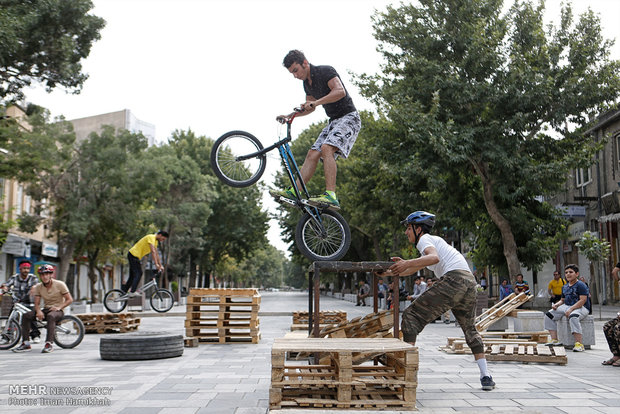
<point>223,315</point>
<point>301,319</point>
<point>109,322</point>
<point>337,381</point>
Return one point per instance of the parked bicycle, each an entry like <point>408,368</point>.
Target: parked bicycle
<point>238,158</point>
<point>68,334</point>
<point>161,299</point>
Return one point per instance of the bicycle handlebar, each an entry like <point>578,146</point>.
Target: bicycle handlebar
<point>289,118</point>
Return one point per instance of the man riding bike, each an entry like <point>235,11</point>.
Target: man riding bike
<point>22,284</point>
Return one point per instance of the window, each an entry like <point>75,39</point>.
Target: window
<point>19,200</point>
<point>582,177</point>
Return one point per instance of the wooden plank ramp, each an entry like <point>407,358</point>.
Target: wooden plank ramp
<point>500,310</point>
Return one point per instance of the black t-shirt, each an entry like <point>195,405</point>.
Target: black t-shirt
<point>320,75</point>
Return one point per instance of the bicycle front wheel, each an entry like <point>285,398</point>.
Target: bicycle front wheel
<point>112,301</point>
<point>69,332</point>
<point>162,300</point>
<point>330,241</point>
<point>10,333</point>
<point>225,160</point>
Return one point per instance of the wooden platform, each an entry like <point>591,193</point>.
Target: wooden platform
<point>223,315</point>
<point>341,383</point>
<point>109,322</point>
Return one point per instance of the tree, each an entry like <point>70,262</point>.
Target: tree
<point>45,41</point>
<point>495,97</point>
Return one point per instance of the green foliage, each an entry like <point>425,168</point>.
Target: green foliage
<point>481,99</point>
<point>45,41</point>
<point>595,249</point>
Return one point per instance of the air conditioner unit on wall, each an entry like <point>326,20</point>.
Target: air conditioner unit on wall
<point>611,202</point>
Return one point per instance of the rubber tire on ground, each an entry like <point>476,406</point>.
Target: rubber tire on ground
<point>165,293</point>
<point>140,346</point>
<point>78,339</point>
<point>16,334</point>
<point>247,143</point>
<point>337,224</point>
<point>122,305</point>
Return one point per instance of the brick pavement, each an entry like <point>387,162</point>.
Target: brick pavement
<point>235,379</point>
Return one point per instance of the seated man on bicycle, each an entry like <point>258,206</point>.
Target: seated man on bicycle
<point>22,284</point>
<point>56,297</point>
<point>323,86</point>
<point>146,245</point>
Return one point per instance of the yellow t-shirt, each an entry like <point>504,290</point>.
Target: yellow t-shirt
<point>52,296</point>
<point>142,247</point>
<point>556,286</point>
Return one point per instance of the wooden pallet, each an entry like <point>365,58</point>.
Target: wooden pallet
<point>325,317</point>
<point>500,310</point>
<point>223,315</point>
<point>540,337</point>
<point>368,326</point>
<point>109,322</point>
<point>341,383</point>
<point>526,354</point>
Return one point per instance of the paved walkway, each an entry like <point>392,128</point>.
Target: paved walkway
<point>235,379</point>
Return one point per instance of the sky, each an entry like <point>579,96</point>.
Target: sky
<point>216,65</point>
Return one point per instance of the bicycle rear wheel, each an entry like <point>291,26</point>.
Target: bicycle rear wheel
<point>10,333</point>
<point>162,300</point>
<point>112,302</point>
<point>69,332</point>
<point>316,245</point>
<point>229,168</point>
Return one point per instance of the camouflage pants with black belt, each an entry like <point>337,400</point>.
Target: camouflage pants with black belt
<point>612,334</point>
<point>455,291</point>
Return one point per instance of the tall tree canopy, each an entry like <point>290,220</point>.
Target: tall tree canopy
<point>497,97</point>
<point>45,41</point>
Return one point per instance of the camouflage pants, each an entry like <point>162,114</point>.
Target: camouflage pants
<point>455,291</point>
<point>612,334</point>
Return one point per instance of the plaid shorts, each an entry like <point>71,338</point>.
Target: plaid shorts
<point>340,133</point>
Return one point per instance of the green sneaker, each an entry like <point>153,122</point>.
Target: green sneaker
<point>325,198</point>
<point>288,193</point>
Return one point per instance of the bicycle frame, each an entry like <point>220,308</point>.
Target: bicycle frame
<point>292,171</point>
<point>18,312</point>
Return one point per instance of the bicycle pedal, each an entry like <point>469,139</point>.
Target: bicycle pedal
<point>321,206</point>
<point>284,200</point>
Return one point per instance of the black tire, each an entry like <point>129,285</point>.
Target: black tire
<point>162,300</point>
<point>9,335</point>
<point>233,172</point>
<point>69,332</point>
<point>140,346</point>
<point>332,245</point>
<point>111,302</point>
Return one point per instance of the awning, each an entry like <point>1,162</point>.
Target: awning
<point>609,218</point>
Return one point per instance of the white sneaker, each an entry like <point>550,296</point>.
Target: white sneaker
<point>36,340</point>
<point>134,294</point>
<point>554,342</point>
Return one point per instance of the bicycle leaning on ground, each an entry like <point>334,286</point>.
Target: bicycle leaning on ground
<point>68,334</point>
<point>161,299</point>
<point>238,158</point>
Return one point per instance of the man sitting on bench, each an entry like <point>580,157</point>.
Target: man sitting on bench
<point>574,304</point>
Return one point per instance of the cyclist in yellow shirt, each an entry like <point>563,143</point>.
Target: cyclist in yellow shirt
<point>146,245</point>
<point>555,287</point>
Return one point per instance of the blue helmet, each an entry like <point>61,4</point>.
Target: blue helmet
<point>420,217</point>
